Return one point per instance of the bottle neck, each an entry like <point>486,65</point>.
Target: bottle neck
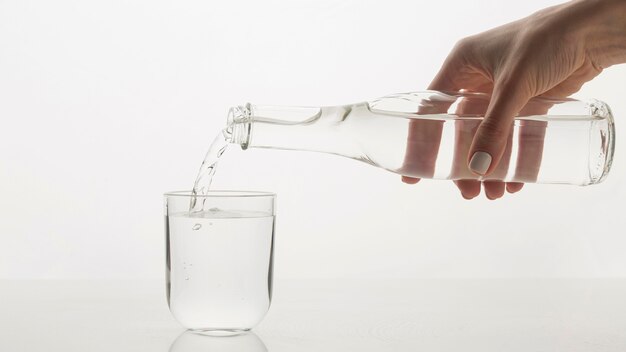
<point>238,125</point>
<point>291,128</point>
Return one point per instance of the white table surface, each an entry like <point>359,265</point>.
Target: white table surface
<point>327,315</point>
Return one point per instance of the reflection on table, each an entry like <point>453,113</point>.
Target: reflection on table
<point>190,341</point>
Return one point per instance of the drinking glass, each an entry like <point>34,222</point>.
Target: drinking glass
<point>219,259</point>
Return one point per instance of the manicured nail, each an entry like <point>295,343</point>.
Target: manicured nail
<point>480,163</point>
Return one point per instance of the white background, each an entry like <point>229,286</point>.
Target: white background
<point>105,105</point>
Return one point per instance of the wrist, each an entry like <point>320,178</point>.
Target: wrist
<point>604,31</point>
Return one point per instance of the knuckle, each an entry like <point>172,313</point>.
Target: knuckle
<point>463,45</point>
<point>463,48</point>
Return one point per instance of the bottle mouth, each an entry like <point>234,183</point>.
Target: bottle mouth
<point>238,124</point>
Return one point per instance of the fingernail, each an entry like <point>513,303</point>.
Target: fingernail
<point>480,162</point>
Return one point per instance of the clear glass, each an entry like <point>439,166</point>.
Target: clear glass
<point>428,135</point>
<point>220,260</point>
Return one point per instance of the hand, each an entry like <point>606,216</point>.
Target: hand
<point>551,53</point>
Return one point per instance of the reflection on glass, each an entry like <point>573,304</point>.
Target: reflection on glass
<point>190,341</point>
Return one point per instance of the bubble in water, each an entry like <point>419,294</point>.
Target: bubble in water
<point>196,227</point>
<point>187,279</point>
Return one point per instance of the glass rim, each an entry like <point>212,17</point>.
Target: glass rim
<point>222,194</point>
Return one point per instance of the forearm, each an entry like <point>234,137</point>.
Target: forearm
<point>598,27</point>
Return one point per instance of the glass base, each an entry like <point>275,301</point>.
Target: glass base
<point>219,332</point>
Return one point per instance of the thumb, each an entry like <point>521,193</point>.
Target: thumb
<point>508,98</point>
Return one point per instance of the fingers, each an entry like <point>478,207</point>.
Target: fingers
<point>422,148</point>
<point>514,187</point>
<point>465,129</point>
<point>502,168</point>
<point>424,136</point>
<point>494,189</point>
<point>410,180</point>
<point>470,189</point>
<point>490,141</point>
<point>530,150</point>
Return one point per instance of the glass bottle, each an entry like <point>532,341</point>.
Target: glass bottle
<point>428,135</point>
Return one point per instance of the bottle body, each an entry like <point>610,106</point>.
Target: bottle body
<point>428,135</point>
